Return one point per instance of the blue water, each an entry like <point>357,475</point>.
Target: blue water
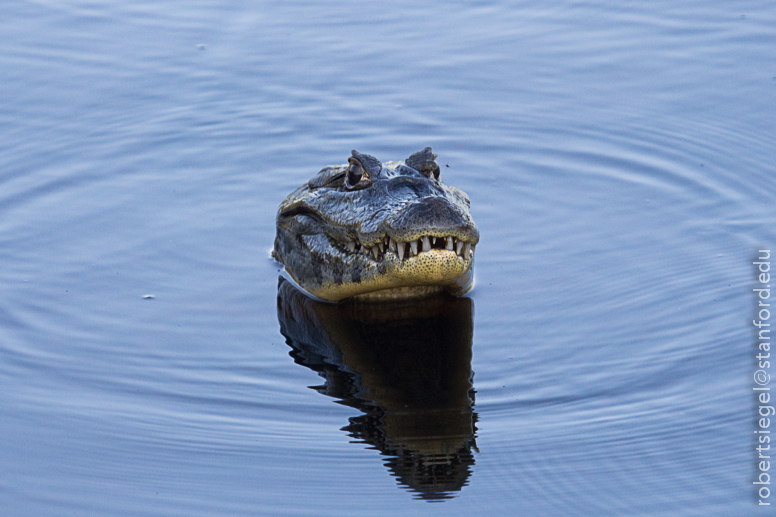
<point>620,162</point>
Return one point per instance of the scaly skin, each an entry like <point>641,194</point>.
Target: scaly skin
<point>366,229</point>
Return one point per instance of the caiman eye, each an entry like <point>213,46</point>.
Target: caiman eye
<point>363,169</point>
<point>356,177</point>
<point>423,162</point>
<point>355,173</point>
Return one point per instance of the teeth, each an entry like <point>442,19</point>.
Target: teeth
<point>422,245</point>
<point>463,249</point>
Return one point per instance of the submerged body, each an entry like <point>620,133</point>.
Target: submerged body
<point>370,230</point>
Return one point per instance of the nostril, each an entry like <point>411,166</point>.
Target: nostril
<point>431,213</point>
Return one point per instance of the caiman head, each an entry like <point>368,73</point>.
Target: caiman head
<point>377,231</point>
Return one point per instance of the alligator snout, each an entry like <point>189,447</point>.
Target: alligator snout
<point>434,216</point>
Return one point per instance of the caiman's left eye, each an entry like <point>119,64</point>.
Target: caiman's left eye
<point>423,162</point>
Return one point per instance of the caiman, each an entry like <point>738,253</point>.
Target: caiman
<point>377,231</point>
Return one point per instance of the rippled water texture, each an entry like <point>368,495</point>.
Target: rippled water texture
<point>620,162</point>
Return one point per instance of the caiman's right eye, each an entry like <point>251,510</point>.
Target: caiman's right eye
<point>355,173</point>
<point>357,177</point>
<point>362,170</point>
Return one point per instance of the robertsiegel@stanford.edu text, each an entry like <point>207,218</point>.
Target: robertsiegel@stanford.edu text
<point>762,377</point>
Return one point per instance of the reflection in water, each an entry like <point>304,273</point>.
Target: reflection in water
<point>407,367</point>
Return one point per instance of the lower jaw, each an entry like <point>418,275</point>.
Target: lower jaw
<point>460,286</point>
<point>422,276</point>
<point>400,293</point>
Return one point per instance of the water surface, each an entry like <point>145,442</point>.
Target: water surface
<point>619,160</point>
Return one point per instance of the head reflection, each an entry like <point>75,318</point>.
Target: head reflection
<point>407,367</point>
